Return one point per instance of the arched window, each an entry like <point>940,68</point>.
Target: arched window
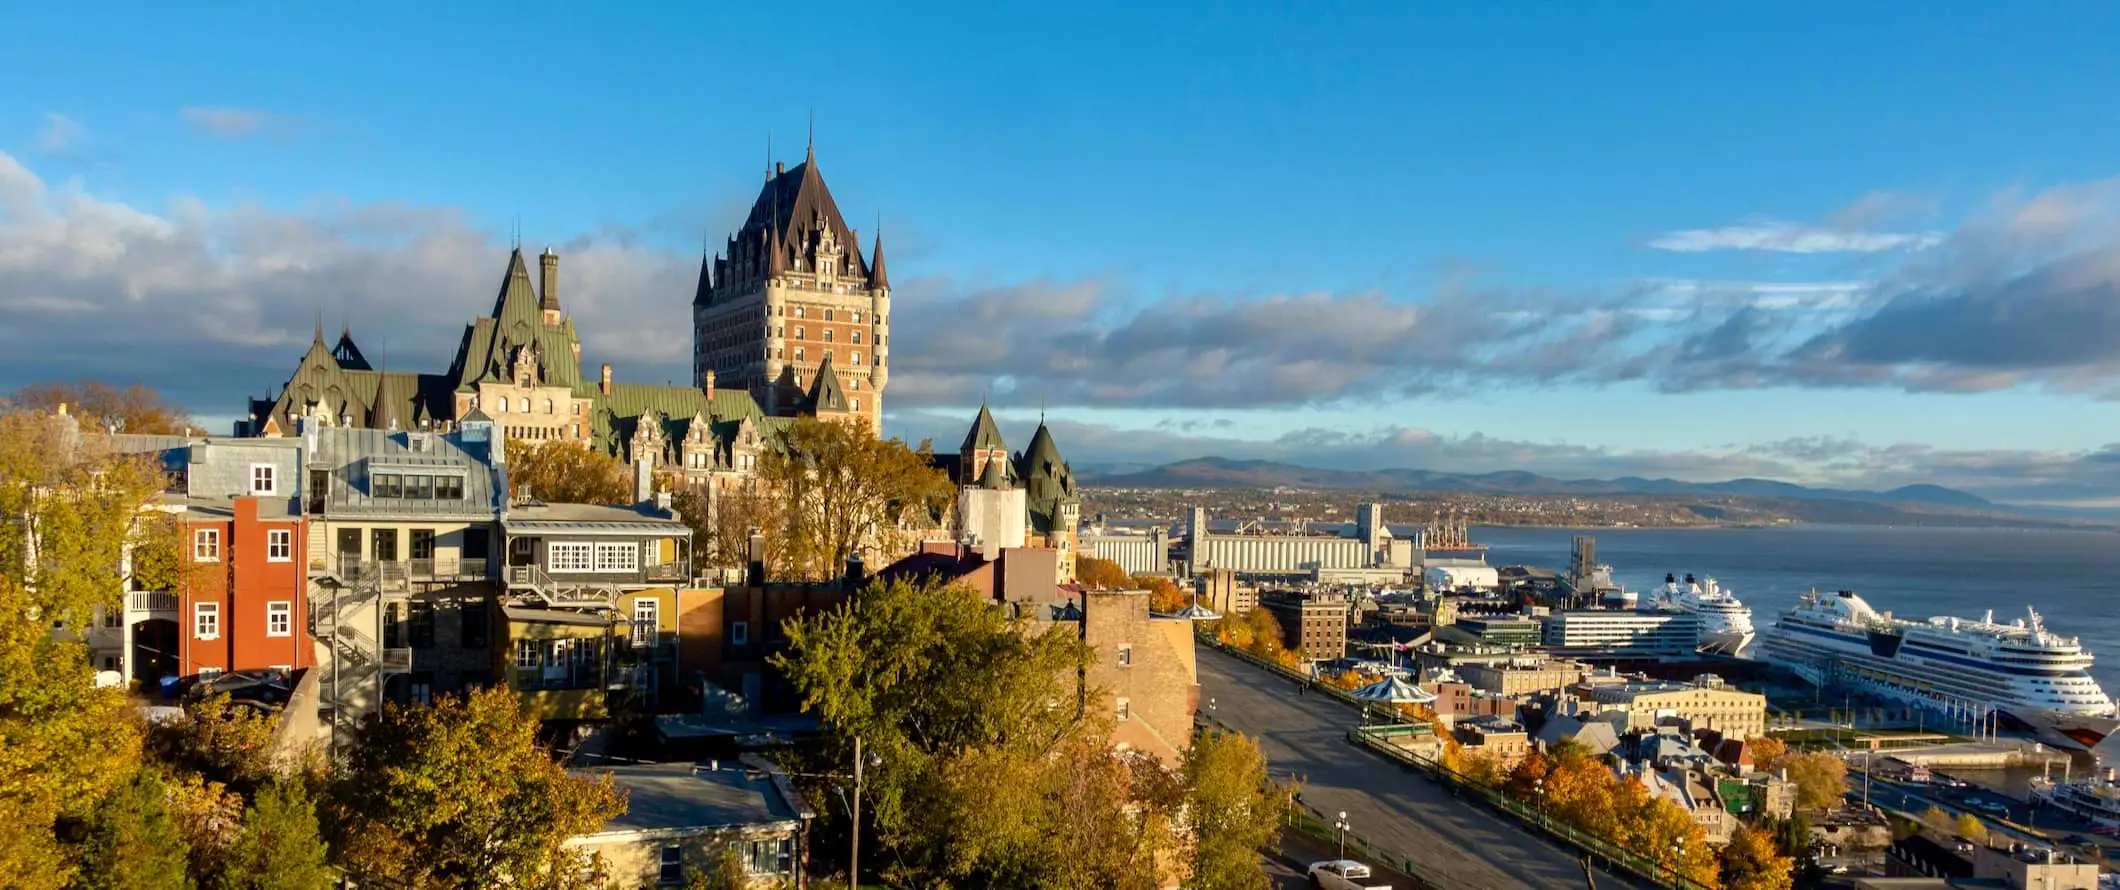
<point>798,312</point>
<point>855,317</point>
<point>501,404</point>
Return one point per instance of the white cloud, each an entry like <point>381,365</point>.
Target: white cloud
<point>60,134</point>
<point>1784,237</point>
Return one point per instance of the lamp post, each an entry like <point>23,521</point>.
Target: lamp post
<point>1342,826</point>
<point>1539,785</point>
<point>1678,861</point>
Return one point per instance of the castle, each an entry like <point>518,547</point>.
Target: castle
<point>790,319</point>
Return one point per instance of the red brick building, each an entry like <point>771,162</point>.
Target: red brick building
<point>245,603</point>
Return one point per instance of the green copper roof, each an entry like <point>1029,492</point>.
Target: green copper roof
<point>985,434</point>
<point>825,392</point>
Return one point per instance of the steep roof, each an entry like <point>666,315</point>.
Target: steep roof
<point>349,355</point>
<point>878,278</point>
<point>825,392</point>
<point>789,202</point>
<point>1047,481</point>
<point>518,320</point>
<point>985,435</point>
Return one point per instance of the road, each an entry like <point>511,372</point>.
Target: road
<point>1394,808</point>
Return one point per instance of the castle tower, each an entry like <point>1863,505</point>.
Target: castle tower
<point>982,448</point>
<point>790,290</point>
<point>1049,491</point>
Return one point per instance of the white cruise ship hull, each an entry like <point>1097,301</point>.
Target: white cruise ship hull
<point>1963,689</point>
<point>1725,642</point>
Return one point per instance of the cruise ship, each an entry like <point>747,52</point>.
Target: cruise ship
<point>2020,671</point>
<point>1725,622</point>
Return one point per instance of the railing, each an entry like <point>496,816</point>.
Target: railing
<point>532,577</point>
<point>397,572</point>
<point>150,601</point>
<point>669,571</point>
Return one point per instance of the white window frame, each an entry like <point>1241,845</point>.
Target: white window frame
<point>279,618</point>
<point>205,621</point>
<point>279,545</point>
<point>206,545</point>
<point>739,633</point>
<point>1124,712</point>
<point>266,473</point>
<point>1126,655</point>
<point>647,611</point>
<point>619,557</point>
<point>579,557</point>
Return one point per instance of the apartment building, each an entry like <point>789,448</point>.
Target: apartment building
<point>1313,623</point>
<point>1144,670</point>
<point>1621,634</point>
<point>1705,704</point>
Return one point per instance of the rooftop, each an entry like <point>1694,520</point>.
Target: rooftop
<point>677,797</point>
<point>635,519</point>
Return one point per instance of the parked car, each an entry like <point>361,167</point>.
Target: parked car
<point>1342,874</point>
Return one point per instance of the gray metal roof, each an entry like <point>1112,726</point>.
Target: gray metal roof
<point>673,796</point>
<point>594,519</point>
<point>352,455</point>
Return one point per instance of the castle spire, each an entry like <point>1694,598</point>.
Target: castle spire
<point>878,278</point>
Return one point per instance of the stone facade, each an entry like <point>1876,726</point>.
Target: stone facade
<point>1144,672</point>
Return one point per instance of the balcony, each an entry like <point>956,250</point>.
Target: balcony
<point>151,602</point>
<point>397,660</point>
<point>400,574</point>
<point>669,571</point>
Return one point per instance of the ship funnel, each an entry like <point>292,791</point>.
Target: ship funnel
<point>1689,577</point>
<point>1670,579</point>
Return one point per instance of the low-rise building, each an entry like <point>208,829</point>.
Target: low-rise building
<point>1523,676</point>
<point>1497,737</point>
<point>1621,634</point>
<point>1144,667</point>
<point>683,817</point>
<point>1703,705</point>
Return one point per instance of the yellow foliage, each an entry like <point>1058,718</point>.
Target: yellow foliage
<point>1095,573</point>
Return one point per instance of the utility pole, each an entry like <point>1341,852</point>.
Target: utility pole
<point>854,858</point>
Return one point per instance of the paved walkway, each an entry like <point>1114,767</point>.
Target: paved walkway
<point>1468,845</point>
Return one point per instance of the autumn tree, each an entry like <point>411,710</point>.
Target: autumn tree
<point>1093,572</point>
<point>460,794</point>
<point>1236,810</point>
<point>563,471</point>
<point>133,843</point>
<point>281,846</point>
<point>1163,596</point>
<point>722,523</point>
<point>727,873</point>
<point>840,491</point>
<point>1970,827</point>
<point>1821,780</point>
<point>1935,819</point>
<point>1767,752</point>
<point>224,743</point>
<point>134,409</point>
<point>1750,862</point>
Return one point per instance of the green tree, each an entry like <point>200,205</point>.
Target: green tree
<point>281,846</point>
<point>563,471</point>
<point>1236,811</point>
<point>64,744</point>
<point>1821,780</point>
<point>839,491</point>
<point>727,873</point>
<point>133,843</point>
<point>460,794</point>
<point>1750,862</point>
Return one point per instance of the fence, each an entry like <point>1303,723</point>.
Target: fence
<point>1375,739</point>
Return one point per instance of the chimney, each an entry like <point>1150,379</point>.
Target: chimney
<point>643,479</point>
<point>856,573</point>
<point>780,167</point>
<point>756,576</point>
<point>710,384</point>
<point>662,501</point>
<point>548,285</point>
<point>605,386</point>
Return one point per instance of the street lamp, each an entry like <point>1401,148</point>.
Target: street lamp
<point>1539,785</point>
<point>1678,859</point>
<point>1342,826</point>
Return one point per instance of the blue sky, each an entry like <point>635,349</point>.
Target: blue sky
<point>1147,192</point>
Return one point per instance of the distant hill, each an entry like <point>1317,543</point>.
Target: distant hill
<point>1217,472</point>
